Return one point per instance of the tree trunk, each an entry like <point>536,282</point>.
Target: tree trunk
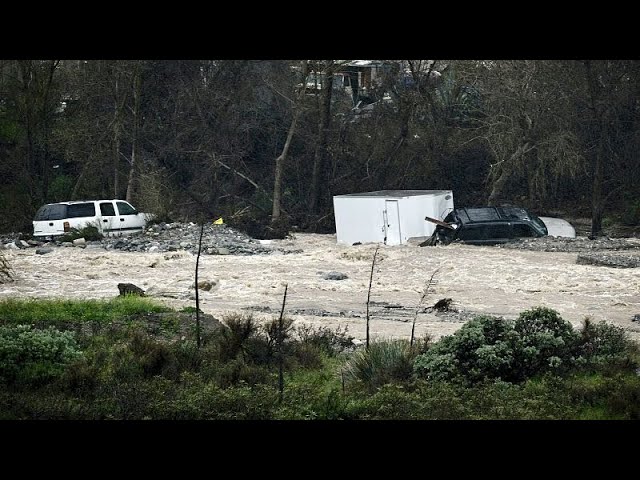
<point>45,166</point>
<point>132,184</point>
<point>596,202</point>
<point>277,184</point>
<point>280,161</point>
<point>116,142</point>
<point>320,154</point>
<point>498,186</point>
<point>597,159</point>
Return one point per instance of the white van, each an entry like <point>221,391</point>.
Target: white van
<point>111,217</point>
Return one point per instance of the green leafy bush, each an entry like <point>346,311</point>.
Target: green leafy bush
<point>539,340</point>
<point>631,214</point>
<point>545,341</point>
<point>482,348</point>
<point>29,355</point>
<point>387,361</point>
<point>603,343</point>
<point>89,233</point>
<point>329,341</point>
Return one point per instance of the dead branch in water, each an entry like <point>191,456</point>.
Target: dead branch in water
<point>424,295</point>
<point>280,341</point>
<point>373,264</point>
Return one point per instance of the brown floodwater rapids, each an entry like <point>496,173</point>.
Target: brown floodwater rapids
<point>485,279</point>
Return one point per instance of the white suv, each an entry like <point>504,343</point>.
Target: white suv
<point>111,217</point>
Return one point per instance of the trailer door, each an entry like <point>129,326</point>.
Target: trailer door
<point>392,223</point>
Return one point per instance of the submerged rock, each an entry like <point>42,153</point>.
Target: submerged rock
<point>335,276</point>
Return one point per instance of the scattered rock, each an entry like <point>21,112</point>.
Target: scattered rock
<point>171,237</point>
<point>79,241</point>
<point>23,244</point>
<point>206,285</point>
<point>334,276</point>
<point>577,244</point>
<point>636,318</point>
<point>43,250</point>
<point>443,305</point>
<point>130,289</point>
<point>608,260</point>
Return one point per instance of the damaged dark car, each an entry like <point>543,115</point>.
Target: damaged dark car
<point>486,226</point>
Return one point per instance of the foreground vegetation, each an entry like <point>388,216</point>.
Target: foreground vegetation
<point>536,367</point>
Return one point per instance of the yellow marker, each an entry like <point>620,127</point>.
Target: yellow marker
<point>218,221</point>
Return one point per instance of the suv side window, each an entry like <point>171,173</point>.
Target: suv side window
<point>107,210</point>
<point>81,210</point>
<point>498,230</point>
<point>125,209</point>
<point>522,230</point>
<point>473,232</point>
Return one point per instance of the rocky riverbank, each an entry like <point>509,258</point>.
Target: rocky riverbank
<point>163,237</point>
<point>577,244</point>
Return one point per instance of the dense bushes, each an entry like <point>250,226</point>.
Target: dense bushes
<point>384,362</point>
<point>538,341</point>
<point>536,367</point>
<point>28,355</point>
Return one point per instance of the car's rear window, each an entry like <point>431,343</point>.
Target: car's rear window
<point>53,211</point>
<point>81,210</point>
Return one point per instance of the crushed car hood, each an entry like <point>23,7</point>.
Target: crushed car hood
<point>558,227</point>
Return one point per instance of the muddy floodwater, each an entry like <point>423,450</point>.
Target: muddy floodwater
<point>487,280</point>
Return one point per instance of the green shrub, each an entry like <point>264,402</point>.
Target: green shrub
<point>89,233</point>
<point>307,355</point>
<point>62,313</point>
<point>28,355</point>
<point>235,338</point>
<point>631,214</point>
<point>237,371</point>
<point>546,342</point>
<point>200,400</point>
<point>387,361</point>
<point>603,343</point>
<point>59,188</point>
<point>329,341</point>
<point>482,348</point>
<point>488,348</point>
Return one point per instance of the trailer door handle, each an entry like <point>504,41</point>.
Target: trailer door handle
<point>122,219</point>
<point>105,220</point>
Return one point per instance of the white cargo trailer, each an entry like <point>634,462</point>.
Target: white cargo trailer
<point>389,216</point>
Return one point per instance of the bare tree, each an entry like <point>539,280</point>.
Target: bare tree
<point>282,158</point>
<point>319,158</point>
<point>132,183</point>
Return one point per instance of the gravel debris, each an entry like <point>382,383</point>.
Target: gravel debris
<point>167,237</point>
